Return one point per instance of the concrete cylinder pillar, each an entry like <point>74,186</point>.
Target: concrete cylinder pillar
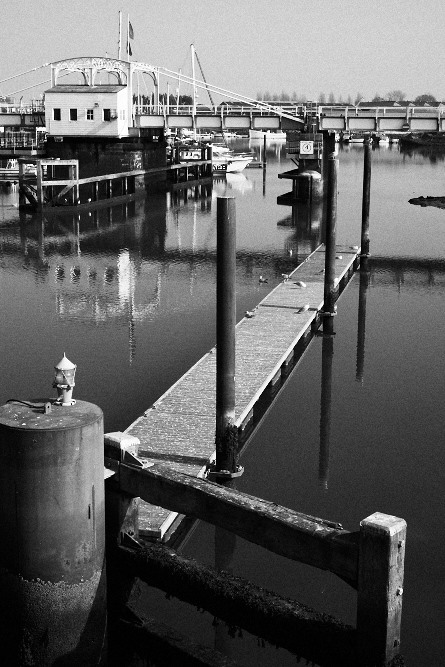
<point>52,551</point>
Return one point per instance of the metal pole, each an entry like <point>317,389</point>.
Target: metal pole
<point>264,151</point>
<point>226,447</point>
<point>330,235</point>
<point>366,197</point>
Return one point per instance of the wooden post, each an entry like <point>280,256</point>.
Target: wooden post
<point>264,152</point>
<point>226,444</point>
<point>39,181</point>
<point>380,588</point>
<point>366,197</point>
<point>330,235</point>
<point>209,154</point>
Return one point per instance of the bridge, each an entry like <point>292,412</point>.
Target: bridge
<point>25,125</point>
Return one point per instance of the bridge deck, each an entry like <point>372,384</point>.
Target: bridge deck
<point>179,429</point>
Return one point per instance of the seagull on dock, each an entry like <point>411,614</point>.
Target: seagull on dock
<point>300,283</point>
<point>285,276</point>
<point>250,313</point>
<point>261,279</point>
<point>304,308</point>
<point>339,257</point>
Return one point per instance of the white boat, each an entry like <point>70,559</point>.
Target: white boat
<point>356,139</point>
<point>223,159</point>
<point>382,139</point>
<point>269,134</point>
<point>9,170</point>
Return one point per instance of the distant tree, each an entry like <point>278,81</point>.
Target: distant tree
<point>396,96</point>
<point>266,95</point>
<point>349,100</point>
<point>378,98</point>
<point>285,96</point>
<point>331,98</point>
<point>322,98</point>
<point>426,98</point>
<point>340,100</point>
<point>259,96</point>
<point>358,98</point>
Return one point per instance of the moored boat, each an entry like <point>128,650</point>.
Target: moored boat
<point>269,134</point>
<point>223,159</point>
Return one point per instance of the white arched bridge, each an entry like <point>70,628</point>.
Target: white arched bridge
<point>156,105</point>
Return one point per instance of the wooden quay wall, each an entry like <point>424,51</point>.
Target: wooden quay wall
<point>178,430</point>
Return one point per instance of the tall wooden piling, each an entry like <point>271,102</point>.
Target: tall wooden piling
<point>226,441</point>
<point>366,201</point>
<point>330,237</point>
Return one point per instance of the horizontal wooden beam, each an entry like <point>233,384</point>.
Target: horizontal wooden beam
<point>239,603</point>
<point>296,536</point>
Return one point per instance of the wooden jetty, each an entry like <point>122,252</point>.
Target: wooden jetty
<point>178,430</point>
<point>43,190</point>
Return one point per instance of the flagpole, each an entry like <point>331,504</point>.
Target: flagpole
<point>119,48</point>
<point>128,37</point>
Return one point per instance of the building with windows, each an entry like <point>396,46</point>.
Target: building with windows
<point>87,111</point>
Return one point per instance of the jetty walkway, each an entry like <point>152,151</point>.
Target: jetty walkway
<point>178,430</point>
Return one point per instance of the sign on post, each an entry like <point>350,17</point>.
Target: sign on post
<point>306,147</point>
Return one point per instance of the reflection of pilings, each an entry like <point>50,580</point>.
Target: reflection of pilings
<point>225,544</point>
<point>325,409</point>
<point>364,283</point>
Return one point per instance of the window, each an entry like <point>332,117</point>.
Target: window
<point>73,114</point>
<point>57,114</point>
<point>107,114</point>
<point>90,114</point>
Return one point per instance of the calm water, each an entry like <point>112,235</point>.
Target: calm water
<point>129,295</point>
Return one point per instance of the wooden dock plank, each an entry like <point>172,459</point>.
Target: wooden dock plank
<point>179,429</point>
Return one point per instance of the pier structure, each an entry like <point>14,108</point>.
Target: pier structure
<point>179,429</point>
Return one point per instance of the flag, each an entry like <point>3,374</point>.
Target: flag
<point>130,35</point>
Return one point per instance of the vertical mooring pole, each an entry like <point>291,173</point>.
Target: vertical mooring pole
<point>226,432</point>
<point>366,197</point>
<point>380,588</point>
<point>264,151</point>
<point>330,236</point>
<point>52,552</point>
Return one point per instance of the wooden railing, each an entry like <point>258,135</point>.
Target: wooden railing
<point>371,559</point>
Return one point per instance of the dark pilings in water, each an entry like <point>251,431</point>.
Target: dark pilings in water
<point>366,197</point>
<point>330,236</point>
<point>226,432</point>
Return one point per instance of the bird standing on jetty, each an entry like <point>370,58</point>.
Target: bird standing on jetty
<point>285,276</point>
<point>249,313</point>
<point>261,279</point>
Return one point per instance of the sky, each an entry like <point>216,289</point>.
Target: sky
<point>347,47</point>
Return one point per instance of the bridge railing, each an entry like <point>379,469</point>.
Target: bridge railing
<point>218,110</point>
<point>16,108</point>
<point>351,110</point>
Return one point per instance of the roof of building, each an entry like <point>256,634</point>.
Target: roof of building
<point>85,89</point>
